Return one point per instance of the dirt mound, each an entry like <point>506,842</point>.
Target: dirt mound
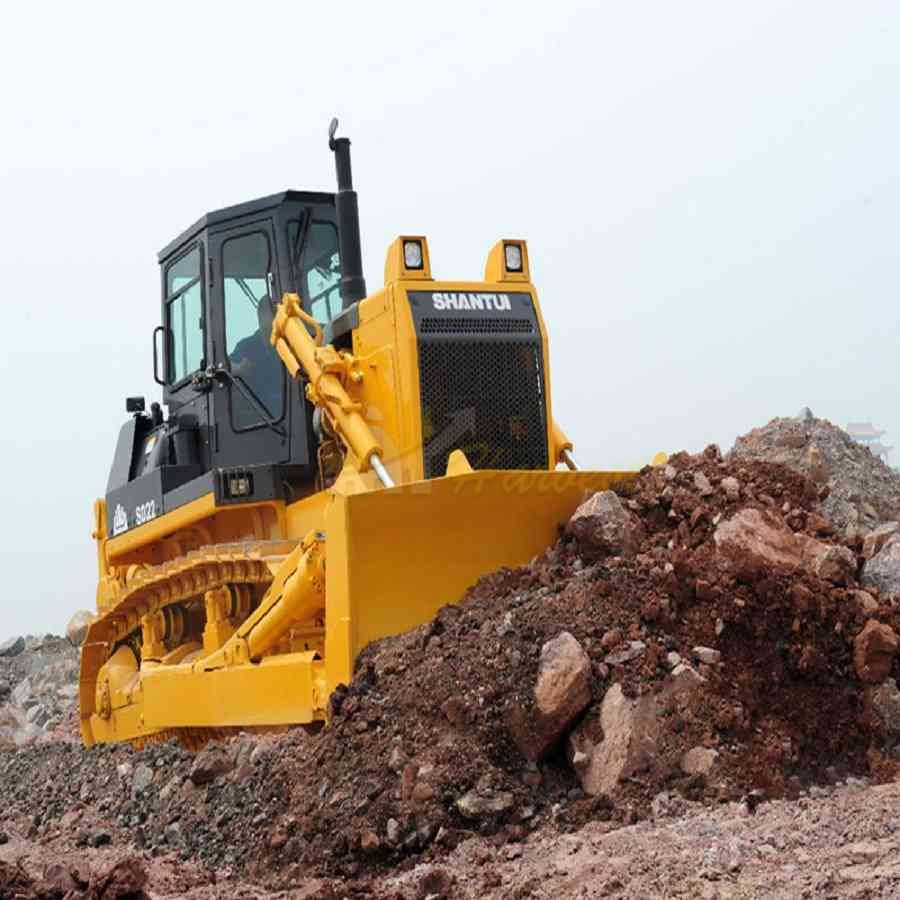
<point>858,489</point>
<point>699,637</point>
<point>732,662</point>
<point>38,690</point>
<point>123,879</point>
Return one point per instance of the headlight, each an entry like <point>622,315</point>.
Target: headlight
<point>513,257</point>
<point>412,254</point>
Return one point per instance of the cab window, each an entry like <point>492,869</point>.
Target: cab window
<point>184,315</point>
<point>246,265</point>
<point>320,271</point>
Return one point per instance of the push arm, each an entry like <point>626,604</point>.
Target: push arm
<point>328,371</point>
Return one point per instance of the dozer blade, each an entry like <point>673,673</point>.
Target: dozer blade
<point>391,559</point>
<point>396,556</point>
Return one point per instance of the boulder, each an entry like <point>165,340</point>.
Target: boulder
<point>76,630</point>
<point>707,655</point>
<point>38,715</point>
<point>60,879</point>
<point>830,562</point>
<point>874,649</point>
<point>369,842</point>
<point>209,764</point>
<point>683,678</point>
<point>753,541</point>
<point>875,540</point>
<point>866,604</point>
<point>26,735</point>
<point>629,651</point>
<point>621,737</point>
<point>603,527</point>
<point>21,692</point>
<point>393,831</point>
<point>141,780</point>
<point>883,569</point>
<point>701,482</point>
<point>732,488</point>
<point>561,692</point>
<point>815,465</point>
<point>474,805</point>
<point>171,788</point>
<point>699,761</point>
<point>614,741</point>
<point>125,878</point>
<point>886,702</point>
<point>12,647</point>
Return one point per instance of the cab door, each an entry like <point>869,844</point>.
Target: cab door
<point>187,348</point>
<point>249,401</point>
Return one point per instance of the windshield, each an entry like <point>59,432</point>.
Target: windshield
<point>320,272</point>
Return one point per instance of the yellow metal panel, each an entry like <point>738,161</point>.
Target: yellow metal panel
<point>155,529</point>
<point>306,515</point>
<point>396,556</point>
<point>277,691</point>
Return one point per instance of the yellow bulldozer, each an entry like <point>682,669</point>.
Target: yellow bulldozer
<point>334,467</point>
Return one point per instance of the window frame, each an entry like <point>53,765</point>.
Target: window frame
<point>303,285</point>
<point>258,228</point>
<point>169,299</point>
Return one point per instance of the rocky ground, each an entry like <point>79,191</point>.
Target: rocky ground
<point>692,693</point>
<point>860,491</point>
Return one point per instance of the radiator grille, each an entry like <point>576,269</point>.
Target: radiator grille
<point>476,326</point>
<point>483,395</point>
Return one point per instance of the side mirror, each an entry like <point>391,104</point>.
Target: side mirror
<point>134,404</point>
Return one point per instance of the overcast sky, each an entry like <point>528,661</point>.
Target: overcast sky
<point>709,192</point>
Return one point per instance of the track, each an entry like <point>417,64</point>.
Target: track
<point>151,589</point>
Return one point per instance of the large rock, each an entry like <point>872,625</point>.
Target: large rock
<point>830,562</point>
<point>142,779</point>
<point>615,742</point>
<point>21,692</point>
<point>38,715</point>
<point>77,629</point>
<point>699,761</point>
<point>603,527</point>
<point>876,539</point>
<point>561,692</point>
<point>874,649</point>
<point>621,737</point>
<point>883,569</point>
<point>124,878</point>
<point>473,805</point>
<point>27,734</point>
<point>886,703</point>
<point>12,646</point>
<point>753,541</point>
<point>209,764</point>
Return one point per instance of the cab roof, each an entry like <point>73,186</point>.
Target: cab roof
<point>239,210</point>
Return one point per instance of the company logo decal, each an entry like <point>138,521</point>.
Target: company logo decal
<point>484,302</point>
<point>120,520</point>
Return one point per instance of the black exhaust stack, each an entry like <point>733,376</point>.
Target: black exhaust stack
<point>353,284</point>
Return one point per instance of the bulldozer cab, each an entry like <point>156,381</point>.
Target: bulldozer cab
<point>221,279</point>
<point>232,406</point>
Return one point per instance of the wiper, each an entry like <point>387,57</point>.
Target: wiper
<point>242,284</point>
<point>295,250</point>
